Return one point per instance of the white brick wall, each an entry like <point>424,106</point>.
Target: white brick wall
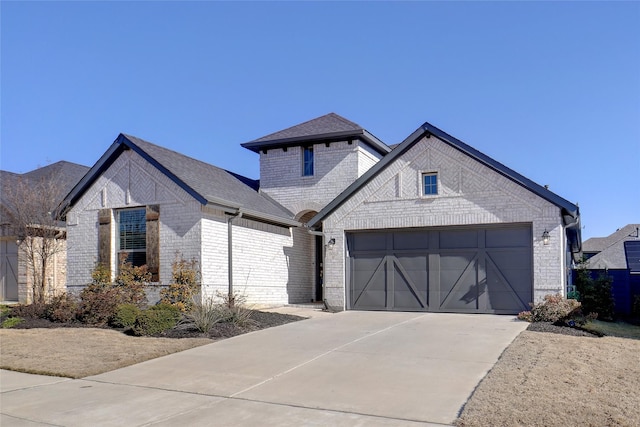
<point>335,168</point>
<point>132,175</point>
<point>469,194</point>
<point>269,264</point>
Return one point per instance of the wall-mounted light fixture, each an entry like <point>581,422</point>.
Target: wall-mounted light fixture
<point>545,237</point>
<point>331,242</point>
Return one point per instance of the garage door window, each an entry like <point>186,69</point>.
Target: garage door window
<point>429,184</point>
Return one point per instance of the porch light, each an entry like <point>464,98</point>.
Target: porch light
<point>331,243</point>
<point>545,237</point>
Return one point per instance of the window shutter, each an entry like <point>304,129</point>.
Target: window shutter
<point>104,237</point>
<point>153,241</point>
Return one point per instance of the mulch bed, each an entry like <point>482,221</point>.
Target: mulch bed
<point>258,320</point>
<point>556,329</point>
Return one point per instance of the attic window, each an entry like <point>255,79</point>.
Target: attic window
<point>429,184</point>
<point>307,161</point>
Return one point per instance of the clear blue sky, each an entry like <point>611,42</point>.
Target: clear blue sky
<point>550,89</point>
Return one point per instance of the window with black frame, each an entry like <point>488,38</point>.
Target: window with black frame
<point>307,161</point>
<point>132,235</point>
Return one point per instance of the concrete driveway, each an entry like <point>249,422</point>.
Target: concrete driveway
<point>351,368</point>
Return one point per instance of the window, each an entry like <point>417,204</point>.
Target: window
<point>429,184</point>
<point>307,161</point>
<point>132,235</point>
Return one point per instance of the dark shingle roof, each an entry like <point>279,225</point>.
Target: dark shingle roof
<point>322,125</point>
<point>327,128</point>
<point>598,244</point>
<point>65,173</point>
<point>206,183</point>
<point>611,249</point>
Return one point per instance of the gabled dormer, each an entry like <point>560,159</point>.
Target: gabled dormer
<point>306,166</point>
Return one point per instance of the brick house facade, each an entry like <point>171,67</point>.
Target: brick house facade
<point>328,186</point>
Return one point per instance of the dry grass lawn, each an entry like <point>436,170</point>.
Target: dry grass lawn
<point>546,379</point>
<point>79,352</point>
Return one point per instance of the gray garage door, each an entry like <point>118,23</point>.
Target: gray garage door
<point>469,270</point>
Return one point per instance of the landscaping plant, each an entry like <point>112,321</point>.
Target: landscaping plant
<point>156,320</point>
<point>595,295</point>
<point>554,308</point>
<point>184,286</point>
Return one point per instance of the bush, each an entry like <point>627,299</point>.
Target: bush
<point>62,308</point>
<point>98,303</point>
<point>131,281</point>
<point>125,316</point>
<point>554,308</point>
<point>156,320</point>
<point>595,295</point>
<point>100,300</point>
<point>29,311</point>
<point>101,274</point>
<point>185,281</point>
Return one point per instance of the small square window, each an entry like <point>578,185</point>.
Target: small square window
<point>307,161</point>
<point>429,184</point>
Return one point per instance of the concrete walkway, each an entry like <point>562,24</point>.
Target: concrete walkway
<point>347,369</point>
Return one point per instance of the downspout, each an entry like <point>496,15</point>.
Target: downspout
<point>230,219</point>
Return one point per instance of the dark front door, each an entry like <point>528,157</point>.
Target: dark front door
<point>319,268</point>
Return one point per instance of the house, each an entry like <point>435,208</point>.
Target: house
<point>337,215</point>
<point>34,190</point>
<point>617,256</point>
<point>611,252</point>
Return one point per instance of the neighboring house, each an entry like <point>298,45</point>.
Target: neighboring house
<point>611,252</point>
<point>338,215</point>
<point>617,256</point>
<point>16,273</point>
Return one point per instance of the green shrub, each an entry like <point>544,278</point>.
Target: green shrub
<point>185,281</point>
<point>156,320</point>
<point>595,295</point>
<point>125,316</point>
<point>10,322</point>
<point>554,308</point>
<point>62,308</point>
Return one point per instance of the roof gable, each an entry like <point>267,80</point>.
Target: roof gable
<point>327,128</point>
<point>206,183</point>
<point>570,211</point>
